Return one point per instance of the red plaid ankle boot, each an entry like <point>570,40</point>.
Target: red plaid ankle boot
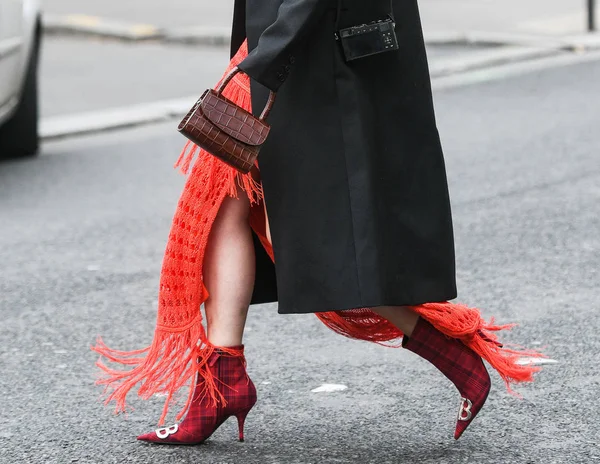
<point>458,363</point>
<point>203,418</point>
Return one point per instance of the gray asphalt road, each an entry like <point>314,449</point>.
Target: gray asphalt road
<point>84,75</point>
<point>83,231</point>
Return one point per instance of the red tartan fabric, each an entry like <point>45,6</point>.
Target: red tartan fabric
<point>170,362</point>
<point>204,417</point>
<point>461,365</point>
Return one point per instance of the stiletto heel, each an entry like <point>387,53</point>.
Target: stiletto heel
<point>241,418</point>
<point>204,418</point>
<point>458,363</point>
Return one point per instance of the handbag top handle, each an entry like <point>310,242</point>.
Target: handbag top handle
<point>230,76</point>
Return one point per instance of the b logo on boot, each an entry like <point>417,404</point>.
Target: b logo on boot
<point>465,413</point>
<point>167,431</point>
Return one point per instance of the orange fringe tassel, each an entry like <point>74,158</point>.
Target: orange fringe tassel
<point>453,320</point>
<point>180,349</point>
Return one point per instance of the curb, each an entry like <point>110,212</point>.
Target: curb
<point>92,122</point>
<point>94,26</point>
<point>486,58</point>
<point>575,42</point>
<point>199,35</point>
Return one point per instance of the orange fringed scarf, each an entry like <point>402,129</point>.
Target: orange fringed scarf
<point>180,348</point>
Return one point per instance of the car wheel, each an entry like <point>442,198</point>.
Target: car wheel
<point>19,135</point>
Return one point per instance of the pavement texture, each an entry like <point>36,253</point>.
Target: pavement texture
<point>98,74</point>
<point>83,231</point>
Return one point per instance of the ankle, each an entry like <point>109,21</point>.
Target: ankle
<point>224,338</point>
<point>231,343</point>
<point>410,324</point>
<point>233,350</point>
<point>403,317</point>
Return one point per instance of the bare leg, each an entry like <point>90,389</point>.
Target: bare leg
<point>229,268</point>
<point>267,227</point>
<point>401,316</point>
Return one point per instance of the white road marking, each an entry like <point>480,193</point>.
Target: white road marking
<point>329,388</point>
<point>535,361</point>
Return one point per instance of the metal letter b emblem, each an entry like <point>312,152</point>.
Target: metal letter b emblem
<point>465,412</point>
<point>164,433</point>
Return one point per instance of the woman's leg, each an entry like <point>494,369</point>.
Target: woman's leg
<point>401,316</point>
<point>455,360</point>
<point>229,268</point>
<point>229,278</point>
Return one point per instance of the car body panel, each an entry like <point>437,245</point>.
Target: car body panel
<point>18,25</point>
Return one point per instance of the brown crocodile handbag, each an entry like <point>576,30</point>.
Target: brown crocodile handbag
<point>225,130</point>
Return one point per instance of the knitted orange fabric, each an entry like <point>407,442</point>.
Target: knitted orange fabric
<point>180,348</point>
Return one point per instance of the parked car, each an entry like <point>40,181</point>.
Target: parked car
<point>20,36</point>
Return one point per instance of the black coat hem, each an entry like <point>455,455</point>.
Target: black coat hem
<point>439,298</point>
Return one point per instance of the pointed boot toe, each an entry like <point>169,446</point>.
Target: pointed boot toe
<point>148,437</point>
<point>166,435</point>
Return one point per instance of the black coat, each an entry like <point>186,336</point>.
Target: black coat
<point>353,171</point>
